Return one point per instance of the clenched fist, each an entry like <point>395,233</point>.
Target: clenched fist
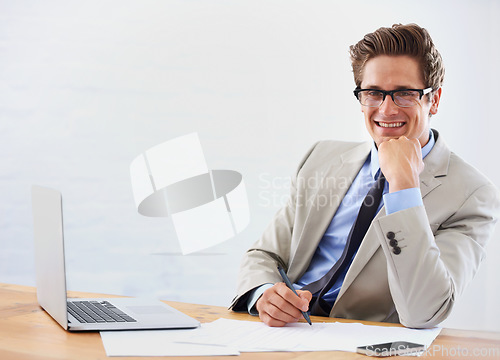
<point>401,163</point>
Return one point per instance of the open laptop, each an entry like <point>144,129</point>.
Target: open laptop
<point>85,314</point>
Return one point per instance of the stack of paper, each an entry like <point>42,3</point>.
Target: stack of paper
<point>229,337</point>
<point>158,343</point>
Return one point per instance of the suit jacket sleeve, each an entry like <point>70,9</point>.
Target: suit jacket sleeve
<point>259,264</point>
<point>438,258</point>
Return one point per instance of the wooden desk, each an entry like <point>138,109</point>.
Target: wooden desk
<point>27,332</point>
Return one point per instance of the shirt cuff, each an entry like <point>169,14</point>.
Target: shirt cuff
<point>254,296</point>
<point>402,200</point>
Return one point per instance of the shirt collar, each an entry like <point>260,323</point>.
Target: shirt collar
<point>374,165</point>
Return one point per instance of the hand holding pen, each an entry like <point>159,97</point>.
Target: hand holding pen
<point>279,305</point>
<point>290,286</point>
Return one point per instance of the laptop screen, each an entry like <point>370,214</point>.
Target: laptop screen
<point>49,252</point>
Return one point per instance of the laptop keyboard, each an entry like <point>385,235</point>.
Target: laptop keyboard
<point>97,312</point>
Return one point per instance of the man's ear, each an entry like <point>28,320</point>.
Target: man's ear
<point>436,96</point>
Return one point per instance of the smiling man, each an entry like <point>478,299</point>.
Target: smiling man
<point>406,235</point>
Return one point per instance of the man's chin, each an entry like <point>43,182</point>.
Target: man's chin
<point>380,135</point>
<point>380,139</point>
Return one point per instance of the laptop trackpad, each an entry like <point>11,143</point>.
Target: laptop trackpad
<point>149,310</point>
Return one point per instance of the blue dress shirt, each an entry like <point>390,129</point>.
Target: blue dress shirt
<point>334,240</point>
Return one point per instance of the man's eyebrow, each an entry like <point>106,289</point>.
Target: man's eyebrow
<point>371,87</point>
<point>401,87</point>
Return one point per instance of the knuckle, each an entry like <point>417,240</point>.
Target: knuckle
<point>280,287</point>
<point>260,304</point>
<point>274,312</point>
<point>306,295</point>
<point>266,294</point>
<point>283,291</point>
<point>266,319</point>
<point>269,320</point>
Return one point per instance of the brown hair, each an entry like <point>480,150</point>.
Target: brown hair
<point>411,40</point>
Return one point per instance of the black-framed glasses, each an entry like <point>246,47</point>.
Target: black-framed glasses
<point>402,98</point>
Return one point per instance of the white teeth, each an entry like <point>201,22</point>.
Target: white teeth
<point>391,125</point>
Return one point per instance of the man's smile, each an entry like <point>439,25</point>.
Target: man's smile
<point>394,124</point>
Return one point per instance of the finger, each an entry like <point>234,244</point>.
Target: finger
<point>270,321</point>
<point>273,308</point>
<point>306,295</point>
<point>285,301</point>
<point>290,297</point>
<point>274,316</point>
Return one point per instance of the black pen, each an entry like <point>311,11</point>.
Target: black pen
<point>289,284</point>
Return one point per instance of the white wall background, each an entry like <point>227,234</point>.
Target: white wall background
<point>85,86</point>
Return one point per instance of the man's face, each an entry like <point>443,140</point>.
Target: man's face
<point>390,121</point>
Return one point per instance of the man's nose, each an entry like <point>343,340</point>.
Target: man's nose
<point>388,107</point>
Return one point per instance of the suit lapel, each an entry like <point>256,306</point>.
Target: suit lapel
<point>323,204</point>
<point>436,165</point>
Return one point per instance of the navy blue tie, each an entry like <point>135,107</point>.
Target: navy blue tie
<point>367,211</point>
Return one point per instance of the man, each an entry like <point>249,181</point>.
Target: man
<point>437,213</point>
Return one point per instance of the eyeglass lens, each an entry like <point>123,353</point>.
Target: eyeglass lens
<point>374,98</point>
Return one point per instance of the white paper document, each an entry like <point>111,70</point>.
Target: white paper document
<point>158,343</point>
<point>250,336</point>
<point>229,337</point>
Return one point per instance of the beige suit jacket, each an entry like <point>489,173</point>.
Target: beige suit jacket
<point>442,243</point>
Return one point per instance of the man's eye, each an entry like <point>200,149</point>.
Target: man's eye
<point>407,93</point>
<point>374,93</point>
